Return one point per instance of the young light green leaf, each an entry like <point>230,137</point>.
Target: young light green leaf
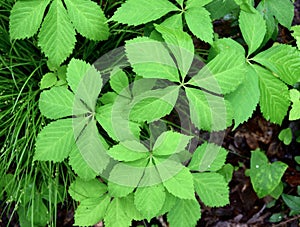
<point>170,201</point>
<point>295,110</point>
<point>80,166</point>
<point>199,22</point>
<point>136,12</point>
<point>90,211</point>
<point>293,202</point>
<point>223,74</point>
<point>130,209</point>
<point>264,176</point>
<point>118,128</point>
<point>48,80</point>
<point>286,136</point>
<point>212,189</point>
<point>296,34</point>
<point>149,200</point>
<point>119,82</point>
<point>208,157</point>
<point>283,11</point>
<point>274,99</point>
<point>178,182</point>
<point>283,60</point>
<point>208,112</point>
<point>58,102</point>
<point>76,70</point>
<point>116,190</point>
<point>170,142</point>
<point>185,213</point>
<point>55,26</point>
<point>115,215</point>
<point>181,45</point>
<point>253,28</point>
<point>55,141</point>
<point>128,151</point>
<point>80,189</point>
<point>220,8</point>
<point>88,19</point>
<point>150,59</point>
<point>153,104</point>
<point>245,98</point>
<point>224,45</point>
<point>26,18</point>
<point>174,21</point>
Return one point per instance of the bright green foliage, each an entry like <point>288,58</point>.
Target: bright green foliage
<point>274,95</point>
<point>245,98</point>
<point>223,74</point>
<point>208,112</point>
<point>119,83</point>
<point>286,136</point>
<point>57,33</point>
<point>198,20</point>
<point>295,111</point>
<point>212,189</point>
<point>149,200</point>
<point>265,177</point>
<point>48,80</point>
<point>293,202</point>
<point>208,157</point>
<point>282,10</point>
<point>56,25</point>
<point>88,19</point>
<point>153,104</point>
<point>283,60</point>
<point>220,8</point>
<point>296,34</point>
<point>136,12</point>
<point>253,28</point>
<point>55,141</point>
<point>186,213</point>
<point>26,18</point>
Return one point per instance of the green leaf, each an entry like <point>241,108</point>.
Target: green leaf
<point>116,215</point>
<point>264,176</point>
<point>274,96</point>
<point>80,166</point>
<point>286,136</point>
<point>130,209</point>
<point>199,22</point>
<point>26,18</point>
<point>149,200</point>
<point>212,189</point>
<point>128,151</point>
<point>293,202</point>
<point>295,110</point>
<point>85,81</point>
<point>296,34</point>
<point>170,142</point>
<point>245,98</point>
<point>208,112</point>
<point>220,8</point>
<point>136,12</point>
<point>55,26</point>
<point>37,212</point>
<point>185,213</point>
<point>91,145</point>
<point>90,211</point>
<point>58,102</point>
<point>118,128</point>
<point>116,190</point>
<point>55,141</point>
<point>283,11</point>
<point>224,45</point>
<point>283,60</point>
<point>181,45</point>
<point>150,59</point>
<point>80,189</point>
<point>208,157</point>
<point>178,182</point>
<point>153,104</point>
<point>223,74</point>
<point>88,19</point>
<point>170,201</point>
<point>253,28</point>
<point>119,82</point>
<point>174,21</point>
<point>48,80</point>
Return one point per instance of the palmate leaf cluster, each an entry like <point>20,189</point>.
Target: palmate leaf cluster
<point>120,175</point>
